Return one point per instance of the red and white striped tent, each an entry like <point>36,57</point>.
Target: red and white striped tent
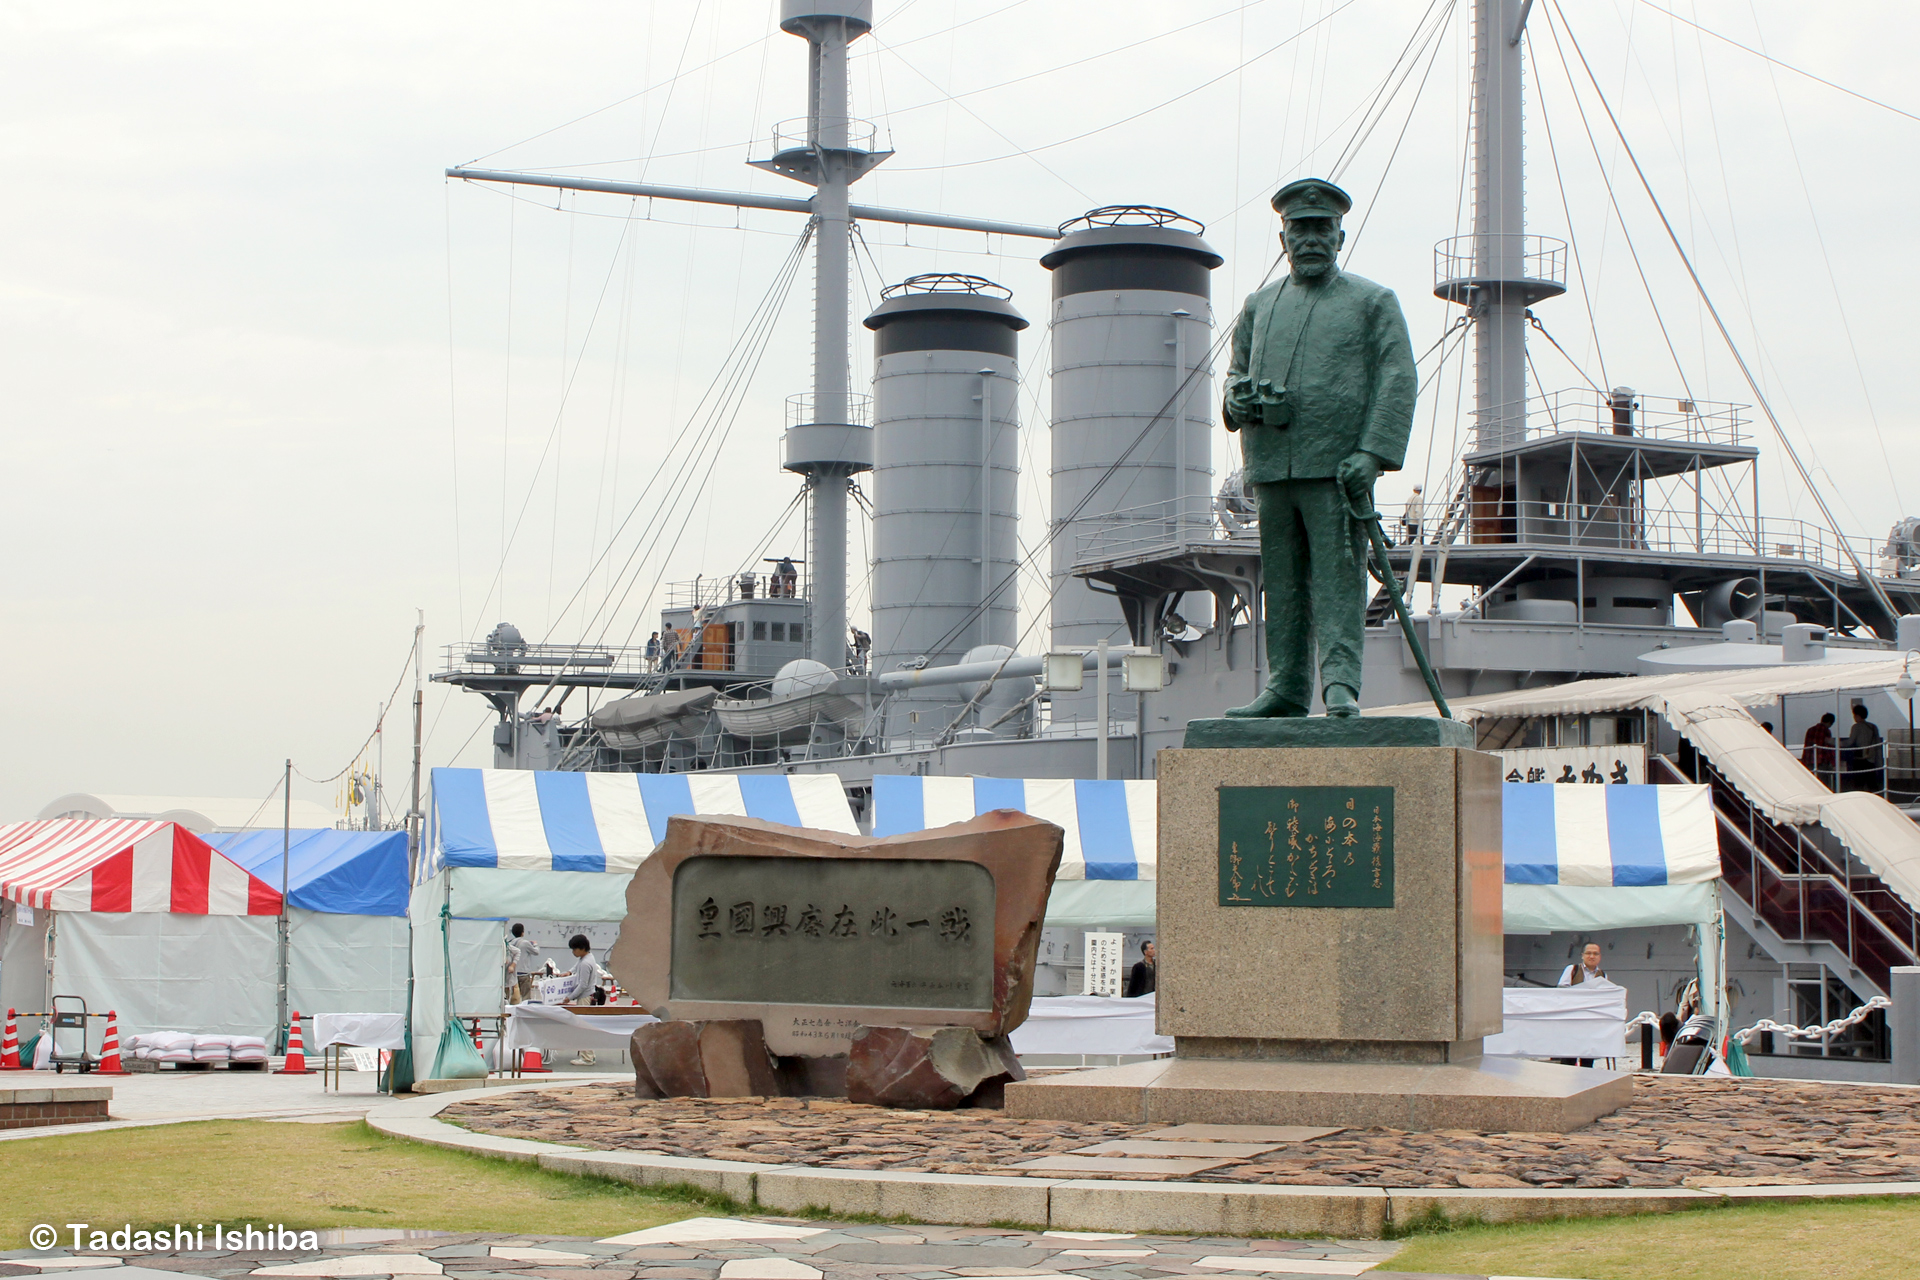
<point>125,864</point>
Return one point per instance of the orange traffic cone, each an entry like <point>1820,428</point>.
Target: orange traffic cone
<point>10,1047</point>
<point>532,1064</point>
<point>109,1064</point>
<point>296,1064</point>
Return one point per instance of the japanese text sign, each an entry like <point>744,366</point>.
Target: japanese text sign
<point>1306,846</point>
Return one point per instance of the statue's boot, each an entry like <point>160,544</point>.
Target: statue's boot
<point>1269,703</point>
<point>1341,701</point>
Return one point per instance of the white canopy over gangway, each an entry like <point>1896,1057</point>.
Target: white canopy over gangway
<point>1713,711</point>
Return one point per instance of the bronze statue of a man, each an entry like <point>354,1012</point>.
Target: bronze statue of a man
<point>1321,390</point>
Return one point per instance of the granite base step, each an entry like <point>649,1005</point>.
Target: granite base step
<point>1491,1095</point>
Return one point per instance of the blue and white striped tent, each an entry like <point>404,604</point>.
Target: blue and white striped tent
<point>526,820</point>
<point>1600,856</point>
<point>1110,826</point>
<point>1106,877</point>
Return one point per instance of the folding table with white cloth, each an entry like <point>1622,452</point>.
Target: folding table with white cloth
<point>369,1033</point>
<point>556,1029</point>
<point>1584,1021</point>
<point>1090,1025</point>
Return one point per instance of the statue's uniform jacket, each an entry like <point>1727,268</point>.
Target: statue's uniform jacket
<point>1352,384</point>
<point>1342,353</point>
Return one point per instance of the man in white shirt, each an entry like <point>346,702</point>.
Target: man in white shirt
<point>587,976</point>
<point>1587,970</point>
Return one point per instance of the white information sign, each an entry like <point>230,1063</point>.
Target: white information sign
<point>1625,762</point>
<point>1105,952</point>
<point>554,990</point>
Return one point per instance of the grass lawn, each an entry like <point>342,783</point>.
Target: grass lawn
<point>1852,1240</point>
<point>303,1176</point>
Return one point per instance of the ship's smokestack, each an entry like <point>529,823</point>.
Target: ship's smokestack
<point>946,475</point>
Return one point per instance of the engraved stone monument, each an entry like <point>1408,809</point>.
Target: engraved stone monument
<point>811,942</point>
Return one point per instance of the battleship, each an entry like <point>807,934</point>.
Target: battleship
<point>1582,533</point>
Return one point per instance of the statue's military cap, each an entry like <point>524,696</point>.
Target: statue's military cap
<point>1311,198</point>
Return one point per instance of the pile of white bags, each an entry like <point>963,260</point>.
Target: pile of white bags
<point>185,1047</point>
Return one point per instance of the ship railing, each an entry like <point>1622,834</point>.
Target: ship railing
<point>1622,413</point>
<point>480,658</point>
<point>1657,528</point>
<point>711,593</point>
<point>1679,529</point>
<point>852,409</point>
<point>1506,256</point>
<point>1162,526</point>
<point>837,133</point>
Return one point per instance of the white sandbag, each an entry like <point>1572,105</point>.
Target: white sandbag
<point>212,1048</point>
<point>248,1049</point>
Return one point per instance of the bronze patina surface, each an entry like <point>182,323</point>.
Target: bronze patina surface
<point>1321,390</point>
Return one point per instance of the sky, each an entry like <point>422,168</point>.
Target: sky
<point>274,387</point>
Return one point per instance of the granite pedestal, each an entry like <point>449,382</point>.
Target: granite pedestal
<point>1330,941</point>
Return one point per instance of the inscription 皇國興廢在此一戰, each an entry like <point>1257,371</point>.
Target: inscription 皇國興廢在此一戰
<point>820,931</point>
<point>1306,847</point>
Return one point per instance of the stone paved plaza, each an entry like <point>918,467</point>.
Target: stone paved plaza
<point>758,1249</point>
<point>1680,1131</point>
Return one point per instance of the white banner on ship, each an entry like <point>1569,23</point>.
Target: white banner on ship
<point>1621,763</point>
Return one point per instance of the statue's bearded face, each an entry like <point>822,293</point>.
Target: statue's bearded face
<point>1311,245</point>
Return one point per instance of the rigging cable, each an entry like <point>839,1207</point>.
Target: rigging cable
<point>1147,111</point>
<point>1573,243</point>
<point>1389,88</point>
<point>1833,283</point>
<point>1788,66</point>
<point>754,343</point>
<point>1726,336</point>
<point>1413,107</point>
<point>668,83</point>
<point>405,667</point>
<point>1049,170</point>
<point>1613,199</point>
<point>1533,321</point>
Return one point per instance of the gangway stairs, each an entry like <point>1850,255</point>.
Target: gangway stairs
<point>1798,892</point>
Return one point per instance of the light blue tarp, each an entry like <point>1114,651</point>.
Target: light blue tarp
<point>355,873</point>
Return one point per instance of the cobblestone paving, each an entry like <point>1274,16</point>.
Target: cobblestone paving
<point>764,1249</point>
<point>1678,1131</point>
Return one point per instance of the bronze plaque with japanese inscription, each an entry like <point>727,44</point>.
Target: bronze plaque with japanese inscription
<point>1306,846</point>
<point>819,931</point>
